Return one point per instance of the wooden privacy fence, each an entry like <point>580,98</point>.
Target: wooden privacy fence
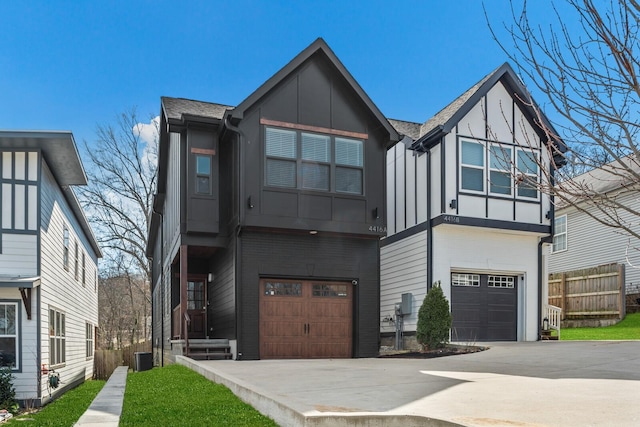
<point>590,293</point>
<point>106,361</point>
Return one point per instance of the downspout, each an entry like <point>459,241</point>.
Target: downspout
<point>430,228</point>
<point>161,286</point>
<point>238,232</point>
<point>543,240</point>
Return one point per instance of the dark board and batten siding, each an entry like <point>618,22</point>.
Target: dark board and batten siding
<point>270,255</point>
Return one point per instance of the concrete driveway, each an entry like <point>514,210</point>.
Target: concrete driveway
<point>594,383</point>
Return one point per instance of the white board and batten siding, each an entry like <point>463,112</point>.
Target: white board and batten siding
<point>60,289</point>
<point>590,244</point>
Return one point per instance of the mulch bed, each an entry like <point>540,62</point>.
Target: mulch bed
<point>428,354</point>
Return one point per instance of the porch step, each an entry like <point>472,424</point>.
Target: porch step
<point>209,349</point>
<point>546,336</point>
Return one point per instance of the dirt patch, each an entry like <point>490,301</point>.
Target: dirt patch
<point>428,354</point>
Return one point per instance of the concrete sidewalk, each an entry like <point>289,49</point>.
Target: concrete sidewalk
<point>106,408</point>
<point>515,384</point>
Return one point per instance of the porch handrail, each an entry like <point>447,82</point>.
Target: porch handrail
<point>187,320</point>
<point>553,314</point>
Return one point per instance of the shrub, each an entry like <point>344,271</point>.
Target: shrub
<point>7,391</point>
<point>434,319</point>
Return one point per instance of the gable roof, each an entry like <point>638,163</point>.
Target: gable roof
<point>60,153</point>
<point>319,46</point>
<point>446,119</point>
<point>177,110</point>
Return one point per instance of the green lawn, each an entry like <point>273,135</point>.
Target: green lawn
<point>627,329</point>
<point>64,411</point>
<point>176,396</point>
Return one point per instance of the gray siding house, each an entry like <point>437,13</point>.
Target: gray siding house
<point>465,209</point>
<point>582,241</point>
<point>48,265</point>
<point>268,217</point>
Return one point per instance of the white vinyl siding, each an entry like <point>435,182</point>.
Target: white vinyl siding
<point>403,269</point>
<point>19,256</point>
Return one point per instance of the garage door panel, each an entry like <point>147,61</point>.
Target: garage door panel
<point>313,320</point>
<point>483,307</point>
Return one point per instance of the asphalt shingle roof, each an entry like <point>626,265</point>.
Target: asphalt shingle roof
<point>175,108</point>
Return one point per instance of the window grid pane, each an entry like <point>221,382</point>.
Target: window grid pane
<point>461,279</point>
<point>472,153</point>
<point>315,177</point>
<point>349,180</point>
<point>315,147</point>
<point>203,165</point>
<point>281,143</point>
<point>281,173</point>
<point>472,179</point>
<point>283,289</point>
<point>501,282</point>
<point>348,152</point>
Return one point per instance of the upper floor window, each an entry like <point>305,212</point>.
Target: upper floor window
<point>296,159</point>
<point>472,166</point>
<point>84,270</point>
<point>76,266</point>
<point>203,174</point>
<point>503,166</point>
<point>560,234</point>
<point>65,247</point>
<point>89,339</point>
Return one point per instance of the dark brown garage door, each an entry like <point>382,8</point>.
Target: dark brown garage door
<point>305,319</point>
<point>484,307</point>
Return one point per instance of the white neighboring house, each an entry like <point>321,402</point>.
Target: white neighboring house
<point>459,211</point>
<point>580,241</point>
<point>48,265</point>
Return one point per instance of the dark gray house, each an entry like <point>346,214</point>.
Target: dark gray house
<point>267,218</point>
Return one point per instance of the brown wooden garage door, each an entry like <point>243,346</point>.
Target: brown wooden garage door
<point>305,319</point>
<point>484,307</point>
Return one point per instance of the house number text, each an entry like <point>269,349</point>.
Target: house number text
<point>377,229</point>
<point>451,219</point>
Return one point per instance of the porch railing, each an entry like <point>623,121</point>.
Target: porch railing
<point>553,314</point>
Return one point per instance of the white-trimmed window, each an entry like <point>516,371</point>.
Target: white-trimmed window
<point>9,334</point>
<point>560,234</point>
<point>464,279</point>
<point>84,269</point>
<point>90,339</point>
<point>527,165</point>
<point>57,337</point>
<point>472,166</point>
<point>65,247</point>
<point>313,161</point>
<point>500,167</point>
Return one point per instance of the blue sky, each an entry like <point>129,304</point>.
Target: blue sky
<point>70,65</point>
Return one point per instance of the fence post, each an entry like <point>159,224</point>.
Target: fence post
<point>622,306</point>
<point>563,290</point>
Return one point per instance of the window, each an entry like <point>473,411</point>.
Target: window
<point>501,282</point>
<point>296,159</point>
<point>9,334</point>
<point>461,279</point>
<point>203,174</point>
<point>560,236</point>
<point>84,270</point>
<point>472,166</point>
<point>76,267</point>
<point>500,166</point>
<point>528,174</point>
<point>65,247</point>
<point>90,340</point>
<point>283,289</point>
<point>57,339</point>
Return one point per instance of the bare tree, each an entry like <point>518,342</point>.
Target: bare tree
<point>585,62</point>
<point>122,177</point>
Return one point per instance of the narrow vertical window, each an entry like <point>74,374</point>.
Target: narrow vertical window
<point>90,340</point>
<point>203,174</point>
<point>316,158</point>
<point>65,247</point>
<point>76,267</point>
<point>84,270</point>
<point>472,166</point>
<point>57,337</point>
<point>560,234</point>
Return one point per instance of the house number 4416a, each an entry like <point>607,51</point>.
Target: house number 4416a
<point>377,229</point>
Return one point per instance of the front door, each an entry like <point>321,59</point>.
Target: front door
<point>196,308</point>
